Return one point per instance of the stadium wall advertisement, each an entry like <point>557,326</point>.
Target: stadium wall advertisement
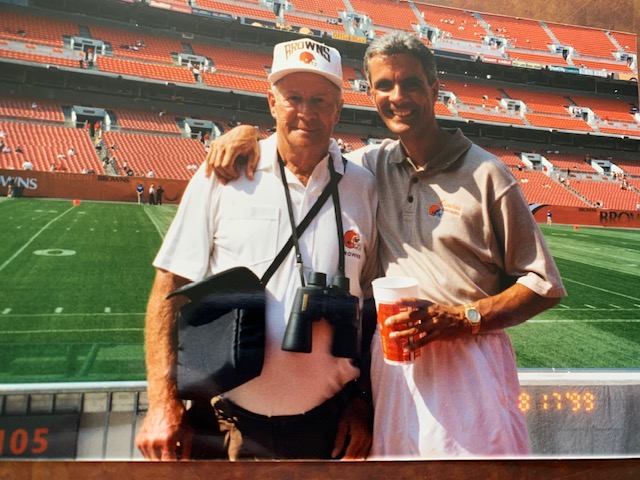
<point>586,216</point>
<point>86,187</point>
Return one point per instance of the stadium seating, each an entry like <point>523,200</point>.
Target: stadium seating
<point>457,24</point>
<point>238,9</point>
<point>392,15</point>
<point>607,195</point>
<point>539,102</point>
<point>539,188</point>
<point>490,115</point>
<point>607,109</point>
<point>569,163</point>
<point>145,70</point>
<point>35,29</point>
<point>507,156</point>
<point>145,121</point>
<point>167,157</point>
<point>235,60</point>
<point>299,21</point>
<point>472,93</point>
<point>558,123</point>
<point>43,144</point>
<point>329,8</point>
<point>542,59</point>
<point>152,48</point>
<point>39,58</point>
<point>31,109</point>
<point>520,32</point>
<point>588,42</point>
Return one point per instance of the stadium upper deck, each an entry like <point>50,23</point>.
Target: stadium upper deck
<point>186,61</point>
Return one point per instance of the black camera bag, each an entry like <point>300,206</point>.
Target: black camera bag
<point>221,333</point>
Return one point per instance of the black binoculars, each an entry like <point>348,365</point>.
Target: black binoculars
<point>335,304</point>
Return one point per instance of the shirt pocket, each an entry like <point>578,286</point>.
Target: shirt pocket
<point>249,235</point>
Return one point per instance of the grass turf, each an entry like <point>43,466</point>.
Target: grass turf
<point>74,282</point>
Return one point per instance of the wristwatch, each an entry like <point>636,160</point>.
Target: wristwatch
<point>473,317</point>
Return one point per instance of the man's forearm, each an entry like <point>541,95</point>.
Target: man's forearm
<point>515,305</point>
<point>161,338</point>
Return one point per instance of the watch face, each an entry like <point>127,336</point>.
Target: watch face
<point>473,315</point>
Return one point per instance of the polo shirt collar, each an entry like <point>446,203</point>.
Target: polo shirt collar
<point>451,152</point>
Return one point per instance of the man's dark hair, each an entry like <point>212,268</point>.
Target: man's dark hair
<point>399,43</point>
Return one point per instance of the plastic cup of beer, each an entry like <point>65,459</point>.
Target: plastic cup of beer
<point>386,290</point>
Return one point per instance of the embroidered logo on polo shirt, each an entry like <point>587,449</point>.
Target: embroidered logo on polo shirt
<point>352,241</point>
<point>435,211</point>
<point>445,207</point>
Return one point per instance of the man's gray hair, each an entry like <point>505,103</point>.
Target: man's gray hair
<point>402,43</point>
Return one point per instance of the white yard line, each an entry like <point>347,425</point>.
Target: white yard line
<point>154,223</point>
<point>601,289</point>
<point>30,241</point>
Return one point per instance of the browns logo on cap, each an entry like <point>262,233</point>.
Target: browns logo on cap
<point>306,55</point>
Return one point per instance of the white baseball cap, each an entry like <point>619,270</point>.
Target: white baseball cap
<point>306,55</point>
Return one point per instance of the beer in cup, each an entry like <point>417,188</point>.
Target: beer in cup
<point>386,291</point>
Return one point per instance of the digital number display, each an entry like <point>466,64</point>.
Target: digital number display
<point>557,400</point>
<point>38,436</point>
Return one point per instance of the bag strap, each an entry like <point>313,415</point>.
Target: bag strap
<point>322,199</point>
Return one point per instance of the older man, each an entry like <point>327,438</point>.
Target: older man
<point>299,406</point>
<point>452,216</point>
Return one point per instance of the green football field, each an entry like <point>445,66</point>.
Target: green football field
<point>74,282</point>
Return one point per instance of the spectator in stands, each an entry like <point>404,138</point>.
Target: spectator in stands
<point>27,165</point>
<point>151,174</point>
<point>18,149</point>
<point>140,193</point>
<point>159,194</point>
<point>454,218</point>
<point>71,152</point>
<point>263,418</point>
<point>152,194</point>
<point>6,149</point>
<point>196,72</point>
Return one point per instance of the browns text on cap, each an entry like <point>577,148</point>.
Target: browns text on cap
<point>306,55</point>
